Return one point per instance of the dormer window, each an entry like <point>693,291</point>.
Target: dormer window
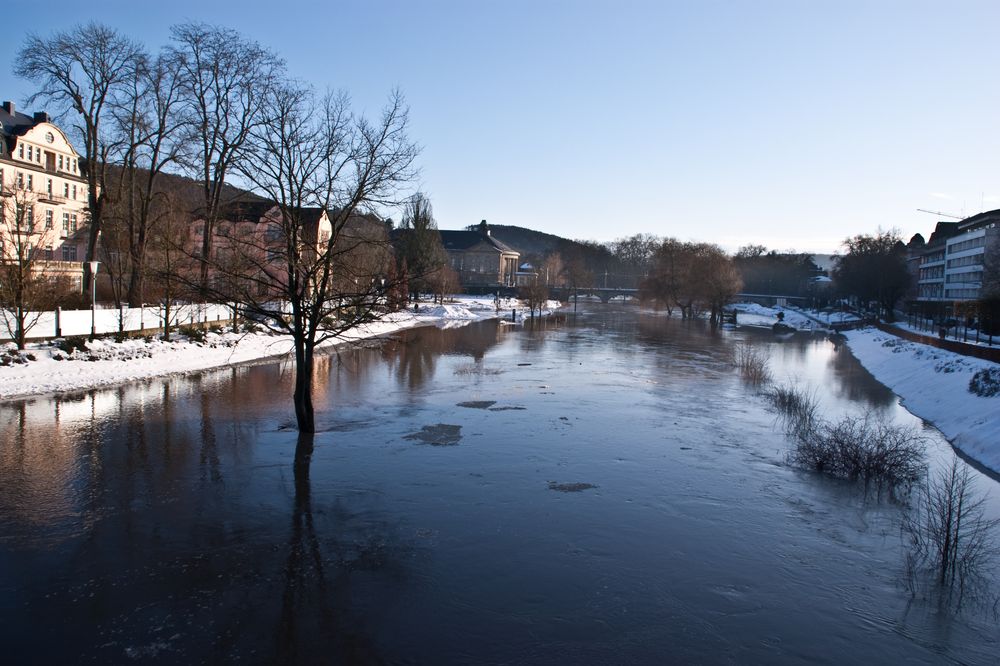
<point>20,151</point>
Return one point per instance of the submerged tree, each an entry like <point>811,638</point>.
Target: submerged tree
<point>320,264</point>
<point>693,277</point>
<point>949,531</point>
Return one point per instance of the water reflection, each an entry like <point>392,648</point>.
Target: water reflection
<point>178,520</point>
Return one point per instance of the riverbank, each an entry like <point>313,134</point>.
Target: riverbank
<point>105,362</point>
<point>934,385</point>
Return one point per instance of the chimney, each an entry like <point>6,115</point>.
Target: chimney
<point>9,107</point>
<point>41,117</point>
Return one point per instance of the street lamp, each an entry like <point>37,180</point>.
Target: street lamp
<point>93,297</point>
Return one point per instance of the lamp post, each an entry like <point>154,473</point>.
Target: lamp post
<point>93,297</point>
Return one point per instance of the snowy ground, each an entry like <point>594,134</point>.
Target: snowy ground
<point>934,385</point>
<point>107,363</point>
<point>752,314</point>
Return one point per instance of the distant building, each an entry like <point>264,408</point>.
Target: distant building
<point>952,263</point>
<point>41,183</point>
<point>481,261</point>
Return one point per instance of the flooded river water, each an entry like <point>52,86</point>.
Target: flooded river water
<point>600,490</point>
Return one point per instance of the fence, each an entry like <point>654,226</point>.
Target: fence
<point>62,323</point>
<point>987,353</point>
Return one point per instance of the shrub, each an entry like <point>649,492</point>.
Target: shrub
<point>192,333</point>
<point>865,448</point>
<point>985,383</point>
<point>71,344</point>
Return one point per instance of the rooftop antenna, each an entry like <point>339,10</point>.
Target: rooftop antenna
<point>940,214</point>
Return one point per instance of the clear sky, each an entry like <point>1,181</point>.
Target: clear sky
<point>793,124</point>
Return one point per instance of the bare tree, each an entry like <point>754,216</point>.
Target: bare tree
<point>145,125</point>
<point>443,281</point>
<point>169,264</point>
<point>949,531</point>
<point>552,272</point>
<point>692,276</point>
<point>420,245</point>
<point>225,81</point>
<point>874,270</point>
<point>319,268</point>
<point>25,292</point>
<point>82,70</point>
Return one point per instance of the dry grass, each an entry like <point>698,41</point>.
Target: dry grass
<point>753,363</point>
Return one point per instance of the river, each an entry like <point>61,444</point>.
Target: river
<point>599,489</point>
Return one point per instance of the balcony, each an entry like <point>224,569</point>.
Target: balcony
<point>49,198</point>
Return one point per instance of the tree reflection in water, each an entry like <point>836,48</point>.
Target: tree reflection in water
<point>319,619</point>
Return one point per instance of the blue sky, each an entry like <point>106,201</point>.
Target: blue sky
<point>793,124</point>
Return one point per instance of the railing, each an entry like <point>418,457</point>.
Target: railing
<point>62,323</point>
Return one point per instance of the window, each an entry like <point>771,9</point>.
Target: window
<point>20,180</point>
<point>69,252</point>
<point>72,223</point>
<point>65,224</point>
<point>971,276</point>
<point>49,254</point>
<point>60,162</point>
<point>48,220</point>
<point>48,187</point>
<point>29,218</point>
<point>74,191</point>
<point>31,185</point>
<point>66,190</point>
<point>20,151</point>
<point>971,260</point>
<point>967,245</point>
<point>30,156</point>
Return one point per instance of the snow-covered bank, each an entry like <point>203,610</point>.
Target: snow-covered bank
<point>752,314</point>
<point>108,363</point>
<point>934,385</point>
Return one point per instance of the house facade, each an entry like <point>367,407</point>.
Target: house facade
<point>43,195</point>
<point>249,239</point>
<point>481,261</point>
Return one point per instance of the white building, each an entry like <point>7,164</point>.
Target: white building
<point>43,195</point>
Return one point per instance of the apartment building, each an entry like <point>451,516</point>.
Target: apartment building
<point>43,195</point>
<point>953,262</point>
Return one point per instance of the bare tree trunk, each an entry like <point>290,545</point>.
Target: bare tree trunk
<point>304,362</point>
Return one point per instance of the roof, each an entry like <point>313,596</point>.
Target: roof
<point>465,240</point>
<point>942,231</point>
<point>251,210</point>
<point>970,223</point>
<point>17,123</point>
